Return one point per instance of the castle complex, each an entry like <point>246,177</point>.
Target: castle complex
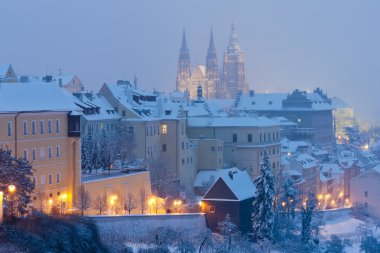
<point>215,84</point>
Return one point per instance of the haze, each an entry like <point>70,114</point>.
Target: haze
<point>288,44</point>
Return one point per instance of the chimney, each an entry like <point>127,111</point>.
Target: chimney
<point>60,82</point>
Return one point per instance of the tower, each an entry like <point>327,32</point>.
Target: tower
<point>212,73</point>
<point>233,68</point>
<point>183,71</point>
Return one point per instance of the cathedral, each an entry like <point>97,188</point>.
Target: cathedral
<point>214,84</point>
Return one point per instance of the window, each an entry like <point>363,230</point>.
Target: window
<point>366,194</point>
<point>183,145</point>
<point>42,179</point>
<point>147,132</point>
<point>268,136</point>
<point>234,137</point>
<point>9,128</point>
<point>131,130</point>
<point>277,136</point>
<point>50,179</point>
<point>151,131</point>
<point>123,113</point>
<point>57,125</point>
<point>33,127</point>
<point>57,151</point>
<point>211,209</point>
<point>249,137</point>
<point>220,148</point>
<point>163,147</point>
<point>34,154</point>
<point>35,180</point>
<point>49,126</point>
<point>265,137</point>
<point>212,148</point>
<point>261,138</point>
<point>25,127</point>
<point>274,165</point>
<point>25,154</point>
<point>50,152</point>
<point>164,129</point>
<point>366,204</point>
<point>42,153</point>
<point>183,161</point>
<point>58,178</point>
<point>41,127</point>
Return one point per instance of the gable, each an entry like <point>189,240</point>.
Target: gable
<point>220,190</point>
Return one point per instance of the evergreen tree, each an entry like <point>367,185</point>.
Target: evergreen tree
<point>18,172</point>
<point>307,211</point>
<point>87,149</point>
<point>370,244</point>
<point>262,215</point>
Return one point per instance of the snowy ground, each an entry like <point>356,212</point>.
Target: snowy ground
<point>346,226</point>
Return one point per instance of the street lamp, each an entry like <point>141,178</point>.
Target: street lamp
<point>11,189</point>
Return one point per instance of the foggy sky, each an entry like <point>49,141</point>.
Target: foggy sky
<point>334,45</point>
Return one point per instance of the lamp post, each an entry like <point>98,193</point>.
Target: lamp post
<point>11,189</point>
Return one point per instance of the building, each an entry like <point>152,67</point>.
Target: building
<point>159,129</point>
<point>233,77</point>
<point>311,111</point>
<point>44,128</point>
<point>365,192</point>
<point>215,84</point>
<point>232,194</point>
<point>305,172</point>
<point>343,117</point>
<point>115,189</point>
<point>7,74</point>
<point>245,139</point>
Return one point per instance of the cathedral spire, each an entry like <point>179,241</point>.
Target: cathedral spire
<point>183,71</point>
<point>211,46</point>
<point>184,44</point>
<point>233,37</point>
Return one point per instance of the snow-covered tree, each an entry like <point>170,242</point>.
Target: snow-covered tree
<point>336,245</point>
<point>87,150</point>
<point>262,215</point>
<point>229,231</point>
<point>18,172</point>
<point>83,199</point>
<point>307,211</point>
<point>369,244</point>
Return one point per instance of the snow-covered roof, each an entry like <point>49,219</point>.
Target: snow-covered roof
<point>273,102</point>
<point>106,111</point>
<point>292,146</point>
<point>338,103</point>
<point>239,182</point>
<point>306,161</point>
<point>16,97</point>
<point>284,121</point>
<point>231,122</point>
<point>4,69</point>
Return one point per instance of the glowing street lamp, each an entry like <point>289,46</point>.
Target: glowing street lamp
<point>11,188</point>
<point>1,207</point>
<point>63,203</point>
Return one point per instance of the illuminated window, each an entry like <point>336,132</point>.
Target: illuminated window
<point>42,153</point>
<point>42,179</point>
<point>211,209</point>
<point>164,129</point>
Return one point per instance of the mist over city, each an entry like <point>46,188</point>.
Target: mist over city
<point>189,126</point>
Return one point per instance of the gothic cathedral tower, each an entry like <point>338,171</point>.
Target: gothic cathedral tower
<point>233,75</point>
<point>183,72</point>
<point>212,73</point>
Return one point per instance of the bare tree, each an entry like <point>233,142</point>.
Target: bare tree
<point>120,202</point>
<point>143,199</point>
<point>159,168</point>
<point>100,203</point>
<point>126,142</point>
<point>130,202</point>
<point>84,199</point>
<point>40,202</point>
